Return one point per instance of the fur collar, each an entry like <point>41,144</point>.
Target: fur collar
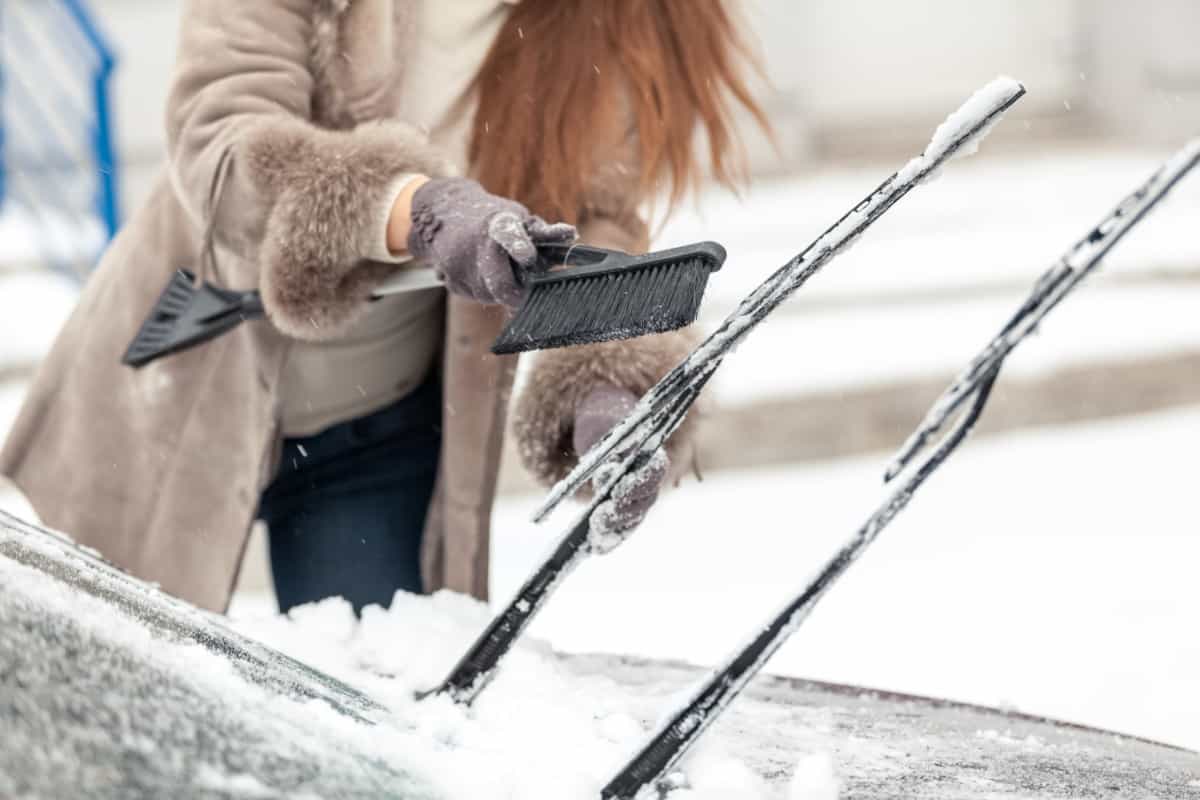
<point>335,48</point>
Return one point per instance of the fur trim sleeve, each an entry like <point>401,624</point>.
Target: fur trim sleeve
<point>544,411</point>
<point>264,152</point>
<point>329,189</point>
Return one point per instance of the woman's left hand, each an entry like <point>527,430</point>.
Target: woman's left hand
<point>595,414</point>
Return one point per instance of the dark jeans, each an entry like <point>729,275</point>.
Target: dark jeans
<point>346,512</point>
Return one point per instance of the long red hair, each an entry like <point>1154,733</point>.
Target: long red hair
<point>566,80</point>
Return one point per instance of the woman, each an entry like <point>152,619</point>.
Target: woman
<point>314,146</point>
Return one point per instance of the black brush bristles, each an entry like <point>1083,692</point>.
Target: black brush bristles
<point>619,298</point>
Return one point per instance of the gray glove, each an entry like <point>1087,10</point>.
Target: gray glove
<point>472,238</point>
<point>596,414</point>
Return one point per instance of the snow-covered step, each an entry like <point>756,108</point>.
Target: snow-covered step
<point>818,426</point>
<point>823,382</point>
<point>986,221</point>
<point>846,349</point>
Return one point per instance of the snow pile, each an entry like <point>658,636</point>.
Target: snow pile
<point>540,732</point>
<point>1031,742</point>
<point>241,785</point>
<point>814,779</point>
<point>14,501</point>
<point>537,732</point>
<point>720,778</point>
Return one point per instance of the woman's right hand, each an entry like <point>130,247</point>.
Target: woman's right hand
<point>472,238</point>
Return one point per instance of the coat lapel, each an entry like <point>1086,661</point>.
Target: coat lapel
<point>477,384</point>
<point>357,55</point>
<point>357,51</point>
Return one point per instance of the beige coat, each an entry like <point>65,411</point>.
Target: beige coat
<point>161,468</point>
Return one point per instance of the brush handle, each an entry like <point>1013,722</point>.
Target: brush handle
<point>408,280</point>
<point>549,256</point>
<point>586,261</point>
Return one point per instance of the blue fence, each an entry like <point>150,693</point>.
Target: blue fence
<point>58,164</point>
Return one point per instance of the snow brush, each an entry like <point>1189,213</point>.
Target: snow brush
<point>609,295</point>
<point>651,773</point>
<point>602,296</point>
<point>664,407</point>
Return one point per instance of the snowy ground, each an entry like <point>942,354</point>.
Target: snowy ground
<point>875,346</point>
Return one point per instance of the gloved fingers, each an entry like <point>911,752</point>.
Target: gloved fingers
<point>455,284</point>
<point>608,527</point>
<point>542,232</point>
<point>605,473</point>
<point>645,480</point>
<point>640,486</point>
<point>499,283</point>
<point>633,496</point>
<point>507,229</point>
<point>633,509</point>
<point>639,498</point>
<point>631,500</point>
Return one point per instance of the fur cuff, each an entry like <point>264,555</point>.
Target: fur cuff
<point>327,189</point>
<point>544,412</point>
